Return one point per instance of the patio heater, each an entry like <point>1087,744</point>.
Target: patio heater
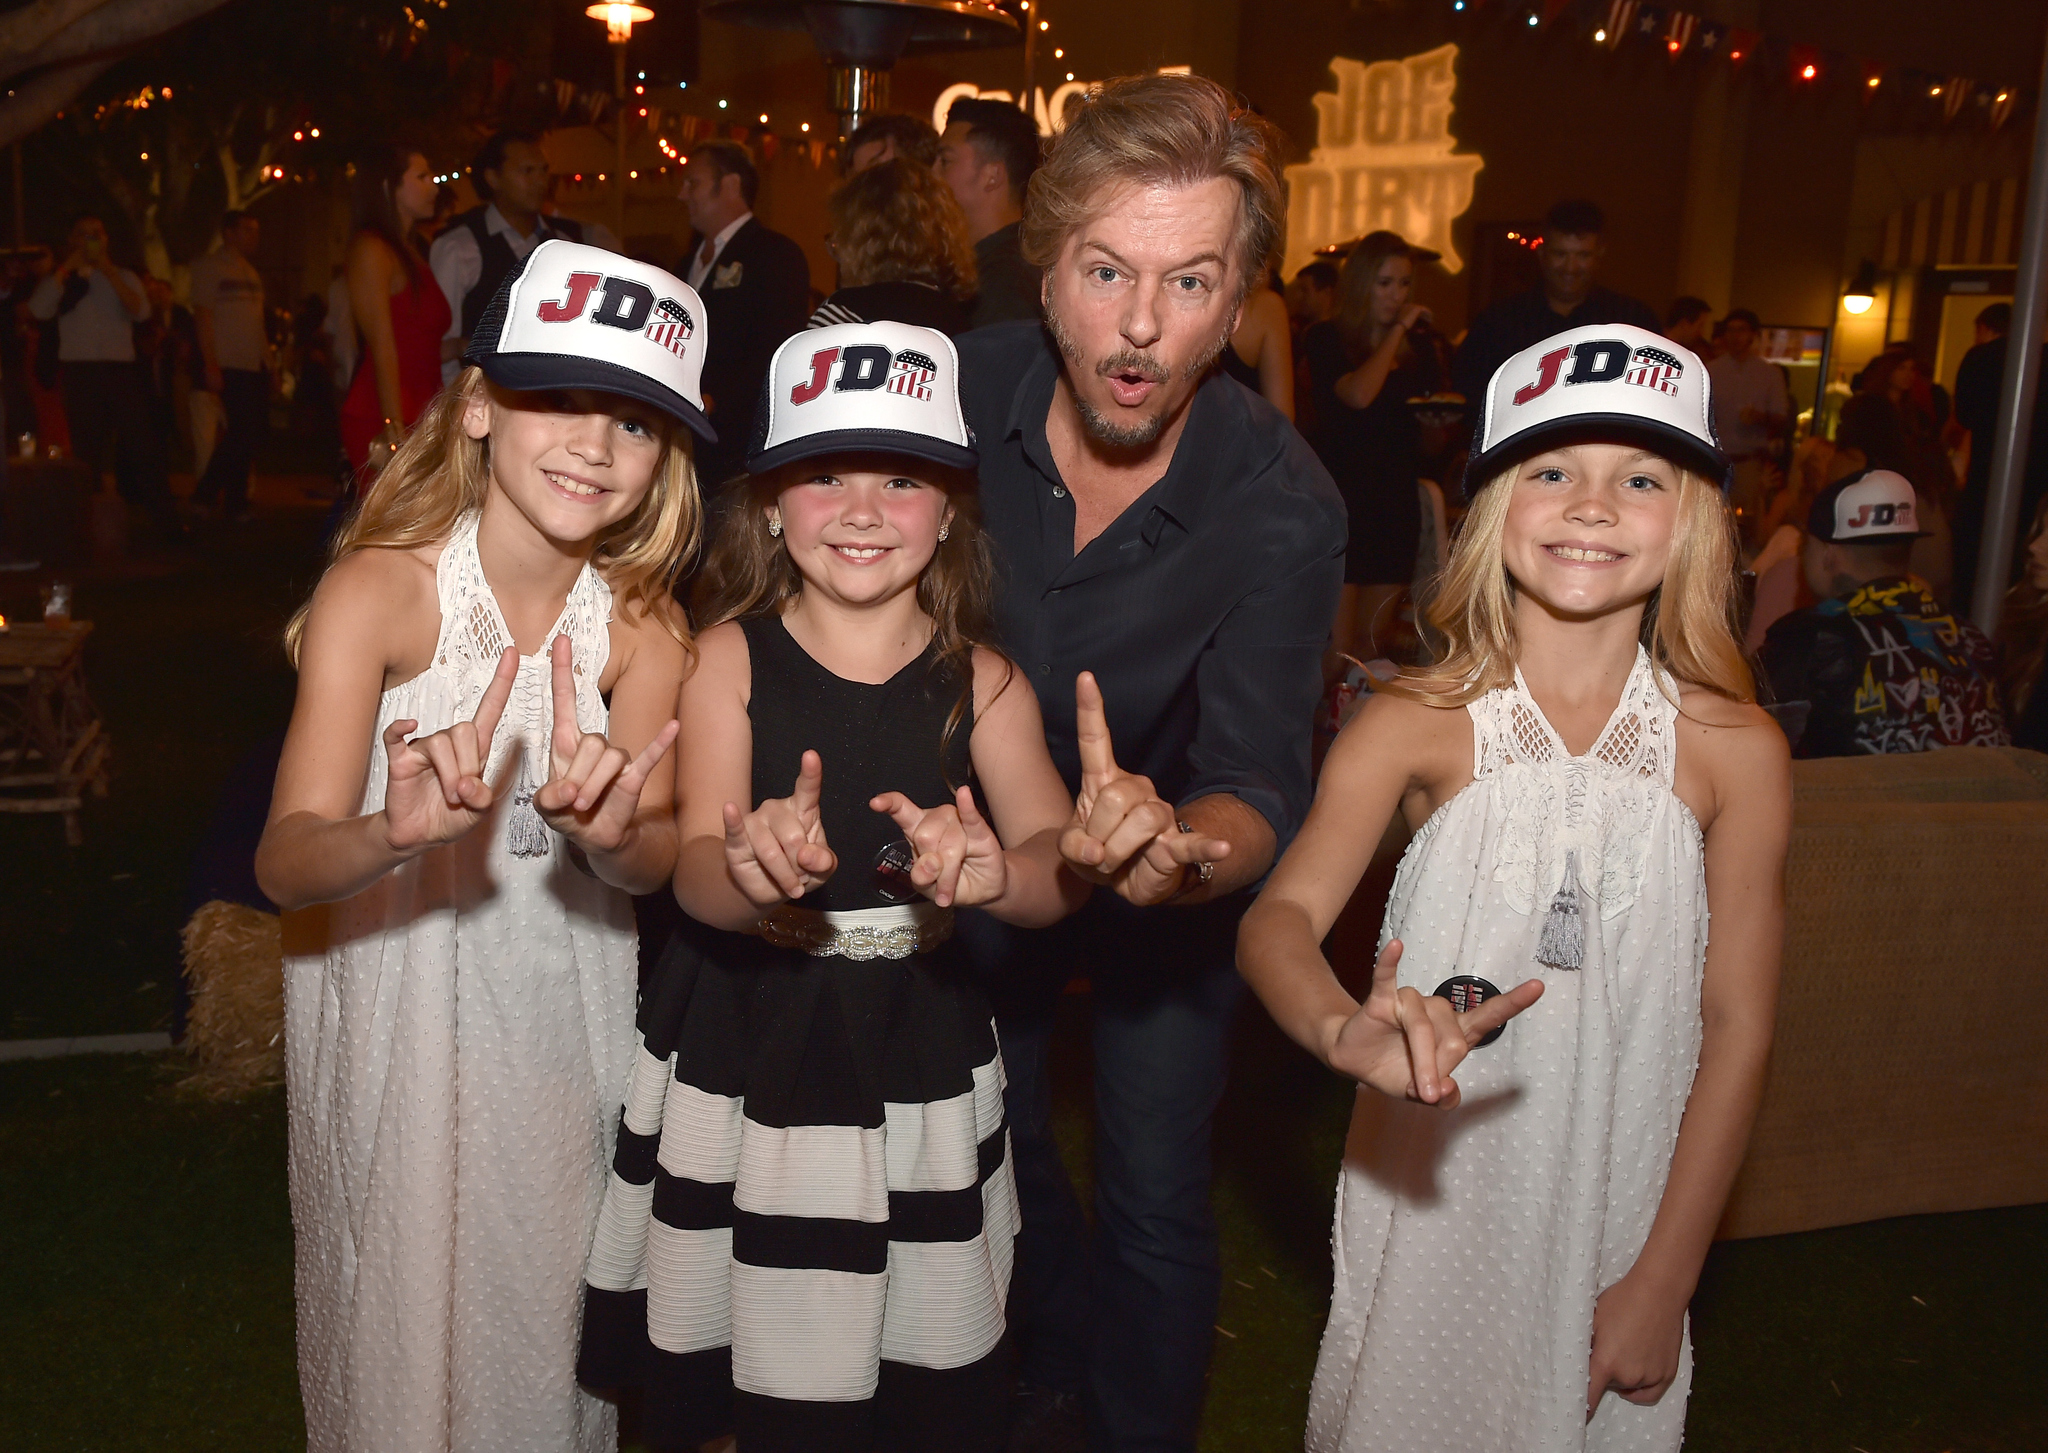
<point>862,39</point>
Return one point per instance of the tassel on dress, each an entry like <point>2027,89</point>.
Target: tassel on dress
<point>525,834</point>
<point>1563,945</point>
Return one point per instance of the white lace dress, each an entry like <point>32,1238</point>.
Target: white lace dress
<point>455,1059</point>
<point>1471,1244</point>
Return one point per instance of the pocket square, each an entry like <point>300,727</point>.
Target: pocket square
<point>727,276</point>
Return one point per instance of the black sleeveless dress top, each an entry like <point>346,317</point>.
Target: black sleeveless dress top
<point>870,738</point>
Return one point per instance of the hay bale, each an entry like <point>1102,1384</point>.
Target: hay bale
<point>234,963</point>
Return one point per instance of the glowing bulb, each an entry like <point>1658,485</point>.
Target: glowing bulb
<point>167,96</point>
<point>1058,54</point>
<point>145,156</point>
<point>314,132</point>
<point>764,118</point>
<point>1532,20</point>
<point>1857,302</point>
<point>1045,25</point>
<point>298,136</point>
<point>1934,90</point>
<point>1070,75</point>
<point>805,127</point>
<point>600,176</point>
<point>1807,73</point>
<point>721,105</point>
<point>1872,82</point>
<point>1600,36</point>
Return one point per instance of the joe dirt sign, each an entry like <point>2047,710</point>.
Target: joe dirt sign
<point>1383,159</point>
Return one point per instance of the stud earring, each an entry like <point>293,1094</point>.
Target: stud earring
<point>774,526</point>
<point>944,530</point>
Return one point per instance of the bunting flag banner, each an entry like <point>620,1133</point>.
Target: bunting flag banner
<point>1678,34</point>
<point>817,149</point>
<point>1617,22</point>
<point>565,95</point>
<point>1621,16</point>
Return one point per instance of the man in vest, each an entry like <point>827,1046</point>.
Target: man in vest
<point>481,246</point>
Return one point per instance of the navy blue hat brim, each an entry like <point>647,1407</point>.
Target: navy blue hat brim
<point>872,441</point>
<point>1677,445</point>
<point>532,372</point>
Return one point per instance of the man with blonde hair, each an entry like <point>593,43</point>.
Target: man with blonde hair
<point>1164,528</point>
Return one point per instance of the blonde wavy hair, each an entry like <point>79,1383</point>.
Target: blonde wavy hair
<point>1690,627</point>
<point>1175,131</point>
<point>897,222</point>
<point>440,474</point>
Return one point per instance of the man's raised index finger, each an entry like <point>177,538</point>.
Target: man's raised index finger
<point>1091,728</point>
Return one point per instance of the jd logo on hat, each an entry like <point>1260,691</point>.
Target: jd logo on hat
<point>1603,360</point>
<point>864,366</point>
<point>624,304</point>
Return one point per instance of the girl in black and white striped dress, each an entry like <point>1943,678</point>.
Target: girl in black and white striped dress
<point>807,1239</point>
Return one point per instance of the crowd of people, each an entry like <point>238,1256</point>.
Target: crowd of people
<point>952,635</point>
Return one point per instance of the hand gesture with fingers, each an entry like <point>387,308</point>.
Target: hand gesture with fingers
<point>960,860</point>
<point>1123,833</point>
<point>592,793</point>
<point>434,788</point>
<point>1405,1043</point>
<point>778,852</point>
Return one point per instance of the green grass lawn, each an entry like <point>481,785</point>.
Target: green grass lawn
<point>145,1241</point>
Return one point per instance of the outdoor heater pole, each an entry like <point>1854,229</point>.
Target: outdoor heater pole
<point>2022,382</point>
<point>619,175</point>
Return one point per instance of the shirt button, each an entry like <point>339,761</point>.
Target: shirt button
<point>1059,491</point>
<point>1045,668</point>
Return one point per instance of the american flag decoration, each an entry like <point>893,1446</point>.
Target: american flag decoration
<point>1621,15</point>
<point>1650,21</point>
<point>1654,368</point>
<point>1711,38</point>
<point>1954,94</point>
<point>1678,34</point>
<point>671,326</point>
<point>911,374</point>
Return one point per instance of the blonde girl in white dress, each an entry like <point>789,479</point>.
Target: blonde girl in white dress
<point>1586,772</point>
<point>477,778</point>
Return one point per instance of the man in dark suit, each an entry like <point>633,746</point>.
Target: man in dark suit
<point>756,286</point>
<point>987,155</point>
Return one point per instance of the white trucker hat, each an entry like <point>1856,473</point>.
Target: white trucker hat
<point>574,316</point>
<point>1607,382</point>
<point>1870,507</point>
<point>887,387</point>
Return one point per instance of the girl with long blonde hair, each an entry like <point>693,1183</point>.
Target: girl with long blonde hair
<point>476,780</point>
<point>1586,772</point>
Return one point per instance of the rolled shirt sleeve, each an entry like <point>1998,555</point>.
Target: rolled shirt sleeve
<point>1258,683</point>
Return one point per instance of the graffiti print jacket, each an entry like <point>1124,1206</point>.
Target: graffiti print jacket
<point>1885,668</point>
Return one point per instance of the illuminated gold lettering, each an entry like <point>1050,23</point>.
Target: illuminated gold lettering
<point>1384,158</point>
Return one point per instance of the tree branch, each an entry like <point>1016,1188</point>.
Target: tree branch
<point>110,26</point>
<point>40,97</point>
<point>29,29</point>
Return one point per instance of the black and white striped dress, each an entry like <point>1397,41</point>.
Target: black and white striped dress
<point>808,1231</point>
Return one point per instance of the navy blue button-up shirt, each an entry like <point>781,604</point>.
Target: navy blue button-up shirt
<point>1203,609</point>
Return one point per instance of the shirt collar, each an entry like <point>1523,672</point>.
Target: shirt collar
<point>725,233</point>
<point>1216,427</point>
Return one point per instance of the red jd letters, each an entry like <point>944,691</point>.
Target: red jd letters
<point>569,309</point>
<point>1547,369</point>
<point>821,376</point>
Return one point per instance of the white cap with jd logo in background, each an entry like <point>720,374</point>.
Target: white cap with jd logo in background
<point>886,387</point>
<point>1606,383</point>
<point>1870,507</point>
<point>574,316</point>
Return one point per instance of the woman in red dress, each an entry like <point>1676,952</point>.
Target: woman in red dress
<point>398,307</point>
